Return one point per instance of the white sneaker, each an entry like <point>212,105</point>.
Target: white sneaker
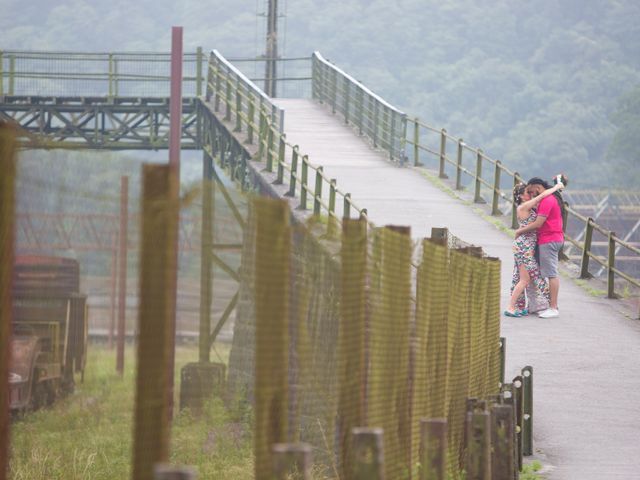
<point>549,313</point>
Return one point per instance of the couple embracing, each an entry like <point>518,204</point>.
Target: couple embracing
<point>539,238</point>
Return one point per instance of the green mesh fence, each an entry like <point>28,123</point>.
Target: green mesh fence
<point>330,330</point>
<point>367,346</point>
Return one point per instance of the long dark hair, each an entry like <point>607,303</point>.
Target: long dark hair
<point>518,190</point>
<point>557,194</point>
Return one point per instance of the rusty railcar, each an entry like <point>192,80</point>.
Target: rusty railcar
<point>49,338</point>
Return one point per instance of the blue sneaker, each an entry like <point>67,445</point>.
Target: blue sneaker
<point>522,312</point>
<point>514,314</point>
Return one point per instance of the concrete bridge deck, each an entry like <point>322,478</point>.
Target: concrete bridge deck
<point>586,367</point>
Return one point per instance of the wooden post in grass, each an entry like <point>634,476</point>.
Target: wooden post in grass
<point>502,435</point>
<point>7,225</point>
<point>518,396</point>
<point>272,258</point>
<point>155,323</point>
<point>368,454</point>
<point>291,461</point>
<point>433,449</point>
<point>527,411</point>
<point>170,472</point>
<point>478,446</point>
<point>351,340</point>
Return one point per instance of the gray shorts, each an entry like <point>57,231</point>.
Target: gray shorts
<point>549,258</point>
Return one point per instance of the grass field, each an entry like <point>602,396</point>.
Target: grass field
<point>88,435</point>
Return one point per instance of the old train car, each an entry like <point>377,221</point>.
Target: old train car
<point>49,331</point>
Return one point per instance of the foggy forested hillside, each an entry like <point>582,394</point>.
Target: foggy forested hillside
<point>544,86</point>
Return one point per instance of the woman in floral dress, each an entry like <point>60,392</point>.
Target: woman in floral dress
<point>526,271</point>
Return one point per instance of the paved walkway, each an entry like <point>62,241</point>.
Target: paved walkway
<point>586,363</point>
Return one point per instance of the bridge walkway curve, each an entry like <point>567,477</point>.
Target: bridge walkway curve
<point>586,369</point>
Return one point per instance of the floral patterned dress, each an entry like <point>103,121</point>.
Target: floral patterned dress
<point>524,248</point>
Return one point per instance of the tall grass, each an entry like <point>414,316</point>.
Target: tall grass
<point>88,435</point>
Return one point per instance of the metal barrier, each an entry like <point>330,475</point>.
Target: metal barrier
<point>384,124</point>
<point>293,74</point>
<point>253,112</point>
<point>111,74</point>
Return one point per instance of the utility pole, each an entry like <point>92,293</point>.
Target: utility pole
<point>272,49</point>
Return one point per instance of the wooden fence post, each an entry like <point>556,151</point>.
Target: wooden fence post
<point>509,395</point>
<point>527,407</point>
<point>270,140</point>
<point>272,259</point>
<point>478,446</point>
<point>332,221</point>
<point>317,194</point>
<point>586,250</point>
<point>443,153</point>
<point>477,198</point>
<point>503,355</point>
<point>514,209</point>
<point>281,153</point>
<point>416,143</point>
<point>291,461</point>
<point>346,208</point>
<point>433,449</point>
<point>368,454</point>
<point>459,164</point>
<point>251,114</point>
<point>502,433</point>
<point>227,113</point>
<point>351,339</point>
<point>611,264</point>
<point>7,227</point>
<point>158,237</point>
<point>162,471</point>
<point>518,396</point>
<point>294,171</point>
<point>304,186</point>
<point>496,190</point>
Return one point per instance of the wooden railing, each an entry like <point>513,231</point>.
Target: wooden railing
<point>491,181</point>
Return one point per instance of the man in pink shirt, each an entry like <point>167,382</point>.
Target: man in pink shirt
<point>550,239</point>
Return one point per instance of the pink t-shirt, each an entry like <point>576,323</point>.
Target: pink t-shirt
<point>551,229</point>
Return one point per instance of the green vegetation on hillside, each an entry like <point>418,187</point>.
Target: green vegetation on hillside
<point>544,86</point>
